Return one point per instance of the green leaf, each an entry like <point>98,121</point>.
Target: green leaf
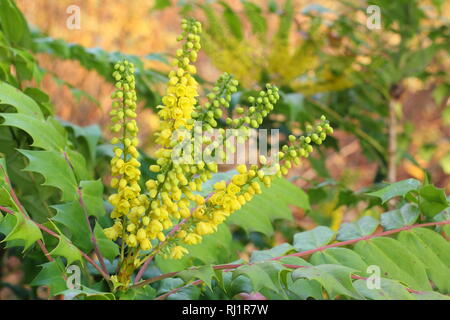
<point>258,277</point>
<point>254,14</point>
<point>24,104</point>
<point>430,296</point>
<point>232,20</point>
<point>334,278</point>
<point>396,189</point>
<point>432,200</point>
<point>108,248</point>
<point>305,289</point>
<point>92,192</point>
<point>57,173</point>
<point>86,293</point>
<point>161,4</point>
<point>389,290</point>
<point>204,273</point>
<point>437,270</point>
<point>353,230</point>
<point>312,239</point>
<point>24,230</point>
<point>405,216</point>
<point>341,256</point>
<point>44,133</point>
<point>71,215</point>
<point>273,203</point>
<point>67,250</point>
<point>51,275</point>
<point>264,255</point>
<point>395,261</point>
<point>13,23</point>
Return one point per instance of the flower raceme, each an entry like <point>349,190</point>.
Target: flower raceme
<point>170,213</point>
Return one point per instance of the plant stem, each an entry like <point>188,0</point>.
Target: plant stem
<point>298,254</point>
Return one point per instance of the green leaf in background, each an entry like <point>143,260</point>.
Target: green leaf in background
<point>312,239</point>
<point>353,230</point>
<point>396,189</point>
<point>395,261</point>
<point>271,204</point>
<point>57,173</point>
<point>432,200</point>
<point>334,278</point>
<point>232,20</point>
<point>161,4</point>
<point>254,15</point>
<point>407,215</point>
<point>13,23</point>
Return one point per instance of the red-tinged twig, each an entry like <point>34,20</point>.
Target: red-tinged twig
<point>55,235</point>
<point>343,243</point>
<point>155,252</point>
<point>93,238</point>
<point>86,215</point>
<point>165,295</point>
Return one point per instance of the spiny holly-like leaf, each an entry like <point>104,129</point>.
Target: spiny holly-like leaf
<point>53,166</point>
<point>71,215</point>
<point>389,290</point>
<point>257,276</point>
<point>51,275</point>
<point>67,250</point>
<point>92,192</point>
<point>264,255</point>
<point>205,273</point>
<point>86,293</point>
<point>396,189</point>
<point>16,98</point>
<point>108,248</point>
<point>395,261</point>
<point>432,200</point>
<point>427,245</point>
<point>271,204</point>
<point>304,288</point>
<point>405,216</point>
<point>334,278</point>
<point>312,239</point>
<point>24,230</point>
<point>44,133</point>
<point>341,256</point>
<point>353,230</point>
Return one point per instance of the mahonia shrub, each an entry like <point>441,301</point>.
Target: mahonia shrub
<point>169,213</point>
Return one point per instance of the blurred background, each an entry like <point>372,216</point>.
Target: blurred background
<point>382,83</point>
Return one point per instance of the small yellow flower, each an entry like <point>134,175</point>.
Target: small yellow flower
<point>178,252</point>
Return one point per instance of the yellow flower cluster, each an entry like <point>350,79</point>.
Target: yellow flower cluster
<point>129,205</point>
<point>172,201</point>
<point>230,197</point>
<point>180,99</point>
